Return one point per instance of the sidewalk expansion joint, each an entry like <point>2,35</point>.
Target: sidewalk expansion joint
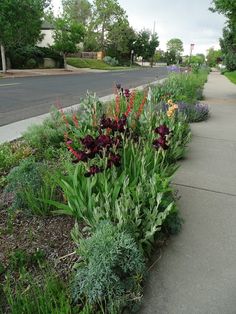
<point>203,189</point>
<point>213,138</point>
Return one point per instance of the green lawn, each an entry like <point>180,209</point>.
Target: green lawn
<point>92,64</point>
<point>231,76</point>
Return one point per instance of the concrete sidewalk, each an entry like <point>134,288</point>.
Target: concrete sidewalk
<point>196,273</point>
<point>45,72</point>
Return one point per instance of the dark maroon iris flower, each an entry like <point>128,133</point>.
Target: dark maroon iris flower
<point>127,93</point>
<point>160,142</point>
<point>114,160</point>
<point>93,152</point>
<point>162,130</point>
<point>105,123</point>
<point>103,141</point>
<point>82,156</point>
<point>114,126</point>
<point>93,170</point>
<point>121,124</point>
<point>88,141</point>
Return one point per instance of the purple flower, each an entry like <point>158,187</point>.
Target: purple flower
<point>173,68</point>
<point>104,141</point>
<point>81,156</point>
<point>160,142</point>
<point>93,170</point>
<point>105,122</point>
<point>114,159</point>
<point>93,152</point>
<point>122,123</point>
<point>88,141</point>
<point>127,93</point>
<point>162,130</point>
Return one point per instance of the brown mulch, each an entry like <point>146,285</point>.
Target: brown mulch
<point>50,235</point>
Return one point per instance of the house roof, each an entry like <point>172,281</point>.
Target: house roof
<point>46,25</point>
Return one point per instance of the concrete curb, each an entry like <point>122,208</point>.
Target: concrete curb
<point>15,130</point>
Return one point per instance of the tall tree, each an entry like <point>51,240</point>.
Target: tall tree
<point>226,7</point>
<point>68,34</point>
<point>120,39</point>
<point>20,23</point>
<point>175,49</point>
<point>228,41</point>
<point>105,14</point>
<point>213,57</point>
<point>146,44</point>
<point>228,46</point>
<point>78,10</point>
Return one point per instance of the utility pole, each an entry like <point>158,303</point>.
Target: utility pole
<point>191,51</point>
<point>3,55</point>
<point>154,30</point>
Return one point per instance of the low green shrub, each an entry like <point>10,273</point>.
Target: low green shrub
<point>110,272</point>
<point>49,134</point>
<point>32,57</point>
<point>111,61</point>
<point>11,154</point>
<point>31,183</point>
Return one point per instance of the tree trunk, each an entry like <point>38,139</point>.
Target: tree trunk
<point>103,35</point>
<point>65,63</point>
<point>3,55</point>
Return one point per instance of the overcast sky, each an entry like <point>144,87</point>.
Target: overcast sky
<point>189,20</point>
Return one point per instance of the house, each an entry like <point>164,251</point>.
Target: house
<point>47,31</point>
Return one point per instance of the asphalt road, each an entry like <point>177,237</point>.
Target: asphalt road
<point>23,98</point>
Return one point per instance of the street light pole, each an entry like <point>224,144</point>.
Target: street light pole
<point>131,57</point>
<point>191,51</point>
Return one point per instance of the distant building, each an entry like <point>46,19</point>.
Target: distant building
<point>47,30</point>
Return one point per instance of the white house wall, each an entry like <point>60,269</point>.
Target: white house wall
<point>47,39</point>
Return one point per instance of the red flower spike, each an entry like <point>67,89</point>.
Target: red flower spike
<point>75,120</point>
<point>140,110</point>
<point>117,108</point>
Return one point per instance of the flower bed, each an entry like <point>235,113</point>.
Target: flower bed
<point>185,89</point>
<point>109,167</point>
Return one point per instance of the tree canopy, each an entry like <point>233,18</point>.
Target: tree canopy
<point>146,44</point>
<point>78,10</point>
<point>174,50</point>
<point>105,14</point>
<point>228,41</point>
<point>226,7</point>
<point>20,23</point>
<point>68,34</point>
<point>120,39</point>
